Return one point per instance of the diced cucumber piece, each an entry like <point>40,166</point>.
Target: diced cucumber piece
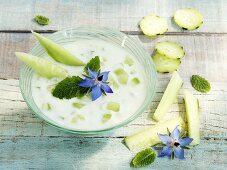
<point>192,114</point>
<point>135,81</point>
<point>78,105</point>
<point>128,61</point>
<point>170,49</point>
<point>113,82</point>
<point>153,25</point>
<point>149,136</point>
<point>188,18</point>
<point>57,52</point>
<point>106,117</point>
<point>122,75</point>
<point>46,106</point>
<point>114,106</point>
<point>164,64</point>
<point>169,96</point>
<point>42,66</point>
<point>51,87</point>
<point>77,118</point>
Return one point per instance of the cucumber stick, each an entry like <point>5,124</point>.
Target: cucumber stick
<point>57,52</point>
<point>42,66</point>
<point>149,136</point>
<point>192,113</point>
<point>169,96</point>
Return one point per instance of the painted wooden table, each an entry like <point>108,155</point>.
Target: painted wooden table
<point>26,142</point>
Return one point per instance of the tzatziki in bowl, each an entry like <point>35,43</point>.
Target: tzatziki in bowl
<point>87,80</point>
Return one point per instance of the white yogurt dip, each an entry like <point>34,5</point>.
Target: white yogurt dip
<point>89,116</point>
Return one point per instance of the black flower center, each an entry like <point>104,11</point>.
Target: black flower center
<point>176,144</point>
<point>100,78</point>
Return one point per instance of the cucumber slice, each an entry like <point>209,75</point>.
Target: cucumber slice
<point>77,118</point>
<point>188,18</point>
<point>153,25</point>
<point>41,66</point>
<point>164,64</point>
<point>168,97</point>
<point>149,136</point>
<point>192,113</point>
<point>57,52</point>
<point>122,75</point>
<point>170,49</point>
<point>114,106</point>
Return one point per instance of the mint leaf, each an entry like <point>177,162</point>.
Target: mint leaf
<point>200,84</point>
<point>93,64</point>
<point>41,20</point>
<point>143,158</point>
<point>68,88</point>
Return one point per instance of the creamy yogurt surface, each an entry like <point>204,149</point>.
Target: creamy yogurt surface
<point>85,114</point>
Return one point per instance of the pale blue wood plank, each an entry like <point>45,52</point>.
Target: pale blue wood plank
<point>98,153</point>
<point>119,14</point>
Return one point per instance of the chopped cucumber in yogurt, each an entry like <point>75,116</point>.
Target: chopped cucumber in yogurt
<point>46,106</point>
<point>78,105</point>
<point>128,61</point>
<point>135,81</point>
<point>106,117</point>
<point>113,106</point>
<point>122,75</point>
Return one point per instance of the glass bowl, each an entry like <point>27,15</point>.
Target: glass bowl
<point>92,32</point>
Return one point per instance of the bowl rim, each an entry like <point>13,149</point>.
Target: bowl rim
<point>135,115</point>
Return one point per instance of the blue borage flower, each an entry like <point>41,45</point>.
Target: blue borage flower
<point>174,144</point>
<point>97,82</point>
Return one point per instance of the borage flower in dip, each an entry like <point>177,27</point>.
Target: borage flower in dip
<point>174,144</point>
<point>97,82</point>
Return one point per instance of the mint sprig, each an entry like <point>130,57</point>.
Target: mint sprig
<point>200,84</point>
<point>68,88</point>
<point>93,64</point>
<point>42,20</point>
<point>143,158</point>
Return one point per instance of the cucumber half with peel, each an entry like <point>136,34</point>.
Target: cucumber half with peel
<point>42,66</point>
<point>164,64</point>
<point>149,136</point>
<point>57,52</point>
<point>170,49</point>
<point>169,96</point>
<point>192,114</point>
<point>153,25</point>
<point>188,18</point>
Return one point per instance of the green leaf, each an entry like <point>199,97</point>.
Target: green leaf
<point>200,84</point>
<point>143,158</point>
<point>68,88</point>
<point>93,64</point>
<point>42,20</point>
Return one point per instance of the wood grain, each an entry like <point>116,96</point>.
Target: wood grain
<point>123,15</point>
<point>98,153</point>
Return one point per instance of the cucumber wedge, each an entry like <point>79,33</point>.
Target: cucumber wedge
<point>153,25</point>
<point>188,18</point>
<point>57,52</point>
<point>149,136</point>
<point>170,49</point>
<point>192,113</point>
<point>164,64</point>
<point>41,66</point>
<point>168,97</point>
